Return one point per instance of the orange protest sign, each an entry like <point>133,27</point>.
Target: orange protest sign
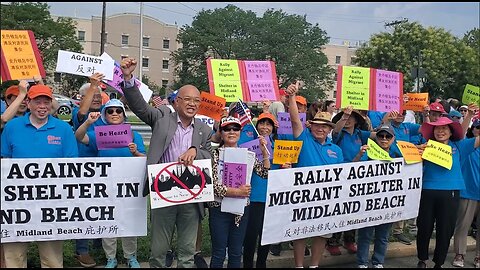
<point>416,101</point>
<point>409,151</point>
<point>211,105</point>
<point>20,56</point>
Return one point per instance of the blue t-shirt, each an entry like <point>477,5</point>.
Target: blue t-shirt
<point>471,174</point>
<point>406,131</point>
<point>115,152</point>
<point>3,106</point>
<point>439,178</point>
<point>83,150</point>
<point>314,153</point>
<point>247,134</point>
<point>55,139</point>
<point>376,118</point>
<point>350,144</point>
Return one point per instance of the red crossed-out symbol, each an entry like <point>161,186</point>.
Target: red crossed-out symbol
<point>174,178</point>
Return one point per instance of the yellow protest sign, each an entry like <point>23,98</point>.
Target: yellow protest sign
<point>410,152</point>
<point>376,152</point>
<point>355,87</point>
<point>416,101</point>
<point>438,153</point>
<point>471,94</point>
<point>286,151</point>
<point>224,76</point>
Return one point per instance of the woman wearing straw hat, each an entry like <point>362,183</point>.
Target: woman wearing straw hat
<point>441,190</point>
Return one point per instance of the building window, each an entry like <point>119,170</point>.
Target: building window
<point>165,64</point>
<point>164,83</point>
<point>146,42</point>
<point>124,40</point>
<point>335,75</point>
<point>334,93</point>
<point>145,62</point>
<point>166,44</point>
<point>337,59</point>
<point>81,35</point>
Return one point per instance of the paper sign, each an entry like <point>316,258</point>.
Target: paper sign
<point>438,153</point>
<point>234,174</point>
<point>260,82</point>
<point>117,80</point>
<point>388,89</point>
<point>284,123</point>
<point>83,64</point>
<point>145,91</point>
<point>410,152</point>
<point>20,55</point>
<point>286,151</point>
<point>375,152</point>
<point>211,105</point>
<point>416,101</point>
<point>254,146</point>
<point>226,79</point>
<point>355,87</point>
<point>113,136</point>
<point>471,94</point>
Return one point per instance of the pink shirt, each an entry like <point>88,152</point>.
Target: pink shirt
<point>182,140</point>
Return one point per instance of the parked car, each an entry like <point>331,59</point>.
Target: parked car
<point>66,104</point>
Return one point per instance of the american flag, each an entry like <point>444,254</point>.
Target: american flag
<point>157,100</point>
<point>243,113</point>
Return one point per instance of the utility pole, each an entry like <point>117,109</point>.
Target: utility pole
<point>102,35</point>
<point>404,20</point>
<point>419,64</point>
<point>141,43</point>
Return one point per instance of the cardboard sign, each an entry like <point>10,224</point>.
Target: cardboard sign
<point>286,151</point>
<point>284,123</point>
<point>416,101</point>
<point>353,87</point>
<point>261,80</point>
<point>211,105</point>
<point>20,57</point>
<point>83,64</point>
<point>375,152</point>
<point>388,90</point>
<point>113,136</point>
<point>224,79</point>
<point>410,152</point>
<point>438,153</point>
<point>471,94</point>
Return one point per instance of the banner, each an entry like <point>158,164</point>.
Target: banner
<point>113,136</point>
<point>314,201</point>
<point>174,184</point>
<point>72,198</point>
<point>20,57</point>
<point>83,64</point>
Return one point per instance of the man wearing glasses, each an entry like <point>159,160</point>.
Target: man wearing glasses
<point>176,137</point>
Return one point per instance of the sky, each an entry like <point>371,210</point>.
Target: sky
<point>344,22</point>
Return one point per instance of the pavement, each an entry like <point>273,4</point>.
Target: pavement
<point>285,260</point>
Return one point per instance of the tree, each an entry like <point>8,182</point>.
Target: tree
<point>51,35</point>
<point>159,90</point>
<point>232,33</point>
<point>448,61</point>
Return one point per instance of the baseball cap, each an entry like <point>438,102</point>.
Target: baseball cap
<point>386,128</point>
<point>230,120</point>
<point>12,90</point>
<point>39,90</point>
<point>437,107</point>
<point>301,100</point>
<point>476,122</point>
<point>267,115</point>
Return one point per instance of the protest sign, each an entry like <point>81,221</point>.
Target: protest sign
<point>224,79</point>
<point>261,79</point>
<point>388,89</point>
<point>207,120</point>
<point>83,64</point>
<point>20,57</point>
<point>113,136</point>
<point>72,198</point>
<point>409,152</point>
<point>315,201</point>
<point>284,123</point>
<point>416,101</point>
<point>471,94</point>
<point>174,184</point>
<point>353,87</point>
<point>211,105</point>
<point>376,152</point>
<point>254,146</point>
<point>286,151</point>
<point>438,153</point>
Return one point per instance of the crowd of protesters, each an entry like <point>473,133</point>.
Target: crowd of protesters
<point>449,203</point>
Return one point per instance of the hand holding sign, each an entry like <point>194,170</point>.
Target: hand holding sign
<point>96,79</point>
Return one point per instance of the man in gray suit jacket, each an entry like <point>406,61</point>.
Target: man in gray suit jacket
<point>176,137</point>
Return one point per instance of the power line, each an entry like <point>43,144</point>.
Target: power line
<point>190,15</point>
<point>187,6</point>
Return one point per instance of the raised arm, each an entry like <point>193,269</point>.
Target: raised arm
<point>468,117</point>
<point>341,123</point>
<point>297,127</point>
<point>81,133</point>
<point>95,80</point>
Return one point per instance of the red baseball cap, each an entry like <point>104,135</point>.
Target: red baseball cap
<point>39,90</point>
<point>12,90</point>
<point>301,100</point>
<point>437,107</point>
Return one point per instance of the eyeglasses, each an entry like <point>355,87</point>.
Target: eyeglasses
<point>477,127</point>
<point>118,111</point>
<point>187,100</point>
<point>227,129</point>
<point>384,136</point>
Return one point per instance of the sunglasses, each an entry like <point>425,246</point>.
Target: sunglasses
<point>477,127</point>
<point>384,136</point>
<point>462,110</point>
<point>227,129</point>
<point>118,111</point>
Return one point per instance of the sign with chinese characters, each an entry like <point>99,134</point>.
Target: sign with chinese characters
<point>113,136</point>
<point>415,101</point>
<point>84,65</point>
<point>409,152</point>
<point>286,151</point>
<point>72,198</point>
<point>20,58</point>
<point>211,105</point>
<point>320,200</point>
<point>438,153</point>
<point>254,146</point>
<point>261,83</point>
<point>388,90</point>
<point>376,152</point>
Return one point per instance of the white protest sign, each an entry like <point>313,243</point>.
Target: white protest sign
<point>314,201</point>
<point>206,119</point>
<point>174,184</point>
<point>145,91</point>
<point>83,64</point>
<point>72,198</point>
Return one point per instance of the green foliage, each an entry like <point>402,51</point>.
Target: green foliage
<point>159,90</point>
<point>450,62</point>
<point>232,33</point>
